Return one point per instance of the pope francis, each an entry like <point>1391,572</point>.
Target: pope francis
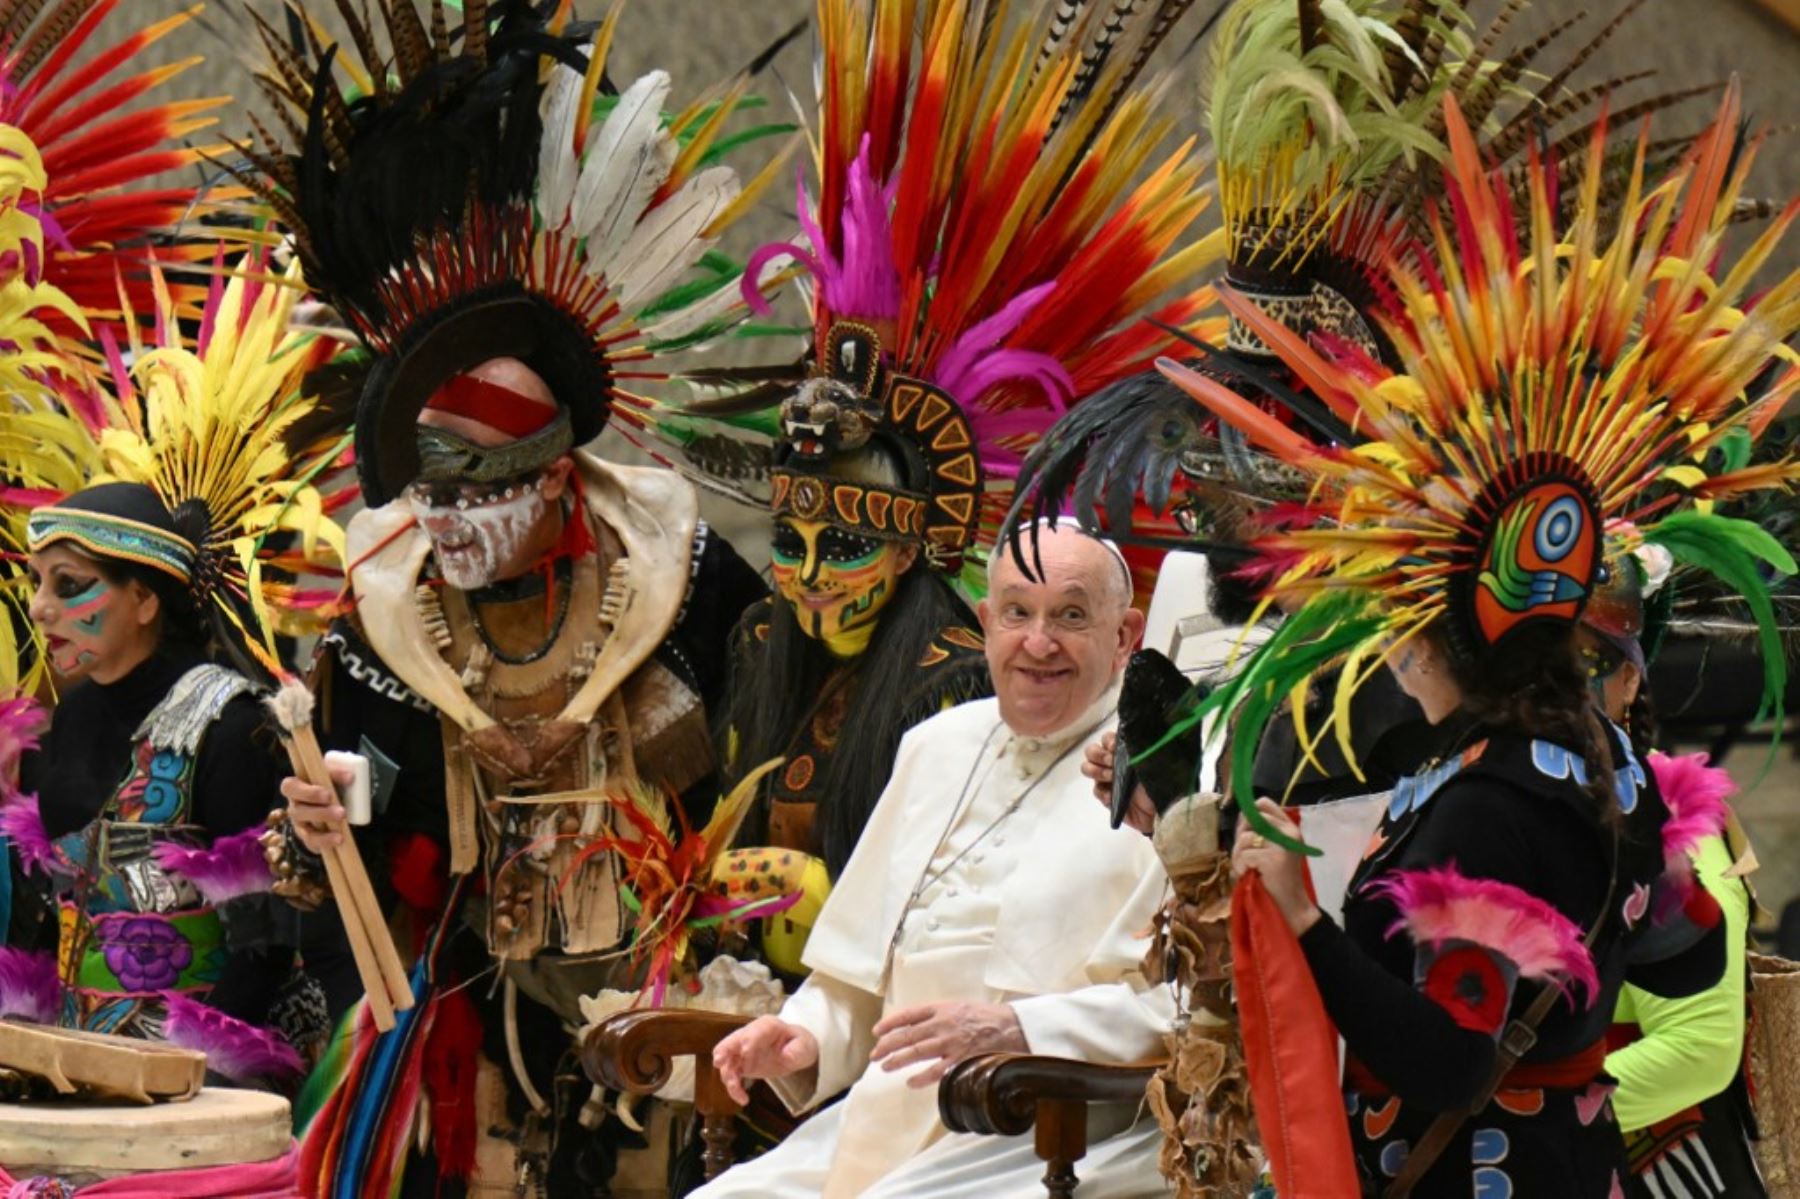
<point>985,909</point>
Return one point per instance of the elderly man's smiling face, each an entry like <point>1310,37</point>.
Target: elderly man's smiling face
<point>1055,644</point>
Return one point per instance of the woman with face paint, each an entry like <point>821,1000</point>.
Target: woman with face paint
<point>1518,882</point>
<point>150,787</point>
<point>140,815</point>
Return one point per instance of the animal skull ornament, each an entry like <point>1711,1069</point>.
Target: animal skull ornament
<point>826,417</point>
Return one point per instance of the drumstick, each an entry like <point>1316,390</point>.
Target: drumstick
<point>305,753</point>
<point>377,961</point>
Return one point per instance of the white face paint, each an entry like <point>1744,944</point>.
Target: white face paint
<point>473,544</point>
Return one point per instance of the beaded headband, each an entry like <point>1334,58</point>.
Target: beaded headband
<point>113,537</point>
<point>852,401</point>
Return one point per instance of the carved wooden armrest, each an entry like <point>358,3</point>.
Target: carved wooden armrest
<point>636,1052</point>
<point>1007,1094</point>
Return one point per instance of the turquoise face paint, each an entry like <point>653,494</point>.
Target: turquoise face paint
<point>84,619</point>
<point>86,608</point>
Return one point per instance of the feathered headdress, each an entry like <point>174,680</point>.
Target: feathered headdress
<point>103,228</point>
<point>980,256</point>
<point>1327,124</point>
<point>463,200</point>
<point>200,420</point>
<point>1553,387</point>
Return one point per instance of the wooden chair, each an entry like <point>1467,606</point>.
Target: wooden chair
<point>1008,1094</point>
<point>999,1094</point>
<point>635,1052</point>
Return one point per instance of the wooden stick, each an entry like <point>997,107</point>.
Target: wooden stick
<point>377,961</point>
<point>381,1005</point>
<point>304,749</point>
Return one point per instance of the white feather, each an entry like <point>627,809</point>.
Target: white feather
<point>668,241</point>
<point>557,162</point>
<point>629,156</point>
<point>683,321</point>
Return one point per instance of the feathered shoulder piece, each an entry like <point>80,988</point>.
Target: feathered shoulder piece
<point>103,141</point>
<point>471,194</point>
<point>980,255</point>
<point>1555,385</point>
<point>1442,908</point>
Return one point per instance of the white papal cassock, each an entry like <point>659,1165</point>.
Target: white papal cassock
<point>1044,908</point>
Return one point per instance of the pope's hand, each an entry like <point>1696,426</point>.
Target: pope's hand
<point>315,813</point>
<point>1283,873</point>
<point>944,1034</point>
<point>764,1048</point>
<point>1098,766</point>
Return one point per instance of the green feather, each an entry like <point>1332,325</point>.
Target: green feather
<point>1734,551</point>
<point>684,295</point>
<point>726,145</point>
<point>1324,629</point>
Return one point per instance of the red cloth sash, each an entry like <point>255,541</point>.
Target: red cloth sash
<point>1290,1053</point>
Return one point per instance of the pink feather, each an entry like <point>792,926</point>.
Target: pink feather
<point>866,282</point>
<point>233,866</point>
<point>25,498</point>
<point>22,721</point>
<point>750,286</point>
<point>234,1048</point>
<point>974,363</point>
<point>1695,794</point>
<point>23,825</point>
<point>29,988</point>
<point>1442,904</point>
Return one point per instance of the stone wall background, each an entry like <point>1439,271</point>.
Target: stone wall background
<point>1688,42</point>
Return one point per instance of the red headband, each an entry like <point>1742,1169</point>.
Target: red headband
<point>500,408</point>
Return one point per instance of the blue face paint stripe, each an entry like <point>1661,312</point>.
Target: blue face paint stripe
<point>89,598</point>
<point>93,593</point>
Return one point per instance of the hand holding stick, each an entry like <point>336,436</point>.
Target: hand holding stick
<point>377,961</point>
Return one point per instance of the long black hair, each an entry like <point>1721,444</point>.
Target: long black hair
<point>788,675</point>
<point>1537,686</point>
<point>782,680</point>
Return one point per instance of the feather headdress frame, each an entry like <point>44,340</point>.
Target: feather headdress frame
<point>1328,125</point>
<point>980,254</point>
<point>485,201</point>
<point>1555,386</point>
<point>38,365</point>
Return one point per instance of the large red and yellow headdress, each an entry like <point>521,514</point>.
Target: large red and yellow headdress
<point>1328,132</point>
<point>980,254</point>
<point>1556,386</point>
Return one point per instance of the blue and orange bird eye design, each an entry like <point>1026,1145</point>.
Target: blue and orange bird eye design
<point>1540,562</point>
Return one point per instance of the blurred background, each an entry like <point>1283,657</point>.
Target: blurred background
<point>1687,42</point>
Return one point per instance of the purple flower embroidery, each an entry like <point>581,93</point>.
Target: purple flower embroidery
<point>146,953</point>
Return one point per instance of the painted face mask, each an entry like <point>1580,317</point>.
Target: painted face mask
<point>476,532</point>
<point>836,581</point>
<point>78,611</point>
